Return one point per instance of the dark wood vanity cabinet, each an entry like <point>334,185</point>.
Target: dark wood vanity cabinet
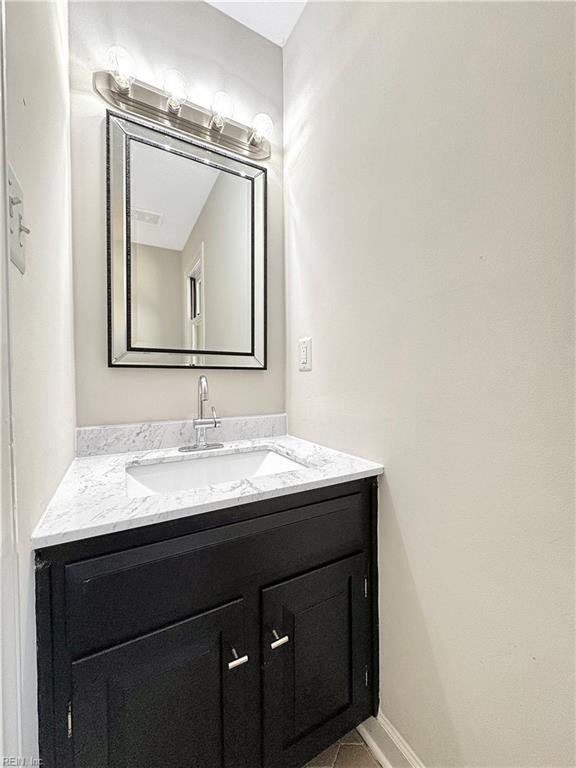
<point>243,638</point>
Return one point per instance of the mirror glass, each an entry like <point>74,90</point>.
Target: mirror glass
<point>186,252</point>
<point>190,254</point>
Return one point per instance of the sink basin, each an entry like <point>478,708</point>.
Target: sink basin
<point>197,472</point>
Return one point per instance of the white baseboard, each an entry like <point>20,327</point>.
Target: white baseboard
<point>388,746</point>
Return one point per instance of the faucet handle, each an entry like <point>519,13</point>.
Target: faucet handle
<point>217,421</point>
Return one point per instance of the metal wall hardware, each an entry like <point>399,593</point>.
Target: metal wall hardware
<point>151,103</point>
<point>278,640</point>
<point>237,660</point>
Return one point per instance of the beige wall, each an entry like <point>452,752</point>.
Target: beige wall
<point>214,53</point>
<point>226,247</point>
<point>41,299</point>
<point>157,309</point>
<point>430,243</point>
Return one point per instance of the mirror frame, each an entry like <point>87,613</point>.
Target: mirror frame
<point>120,131</point>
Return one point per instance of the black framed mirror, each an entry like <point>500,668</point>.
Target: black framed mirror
<point>186,252</point>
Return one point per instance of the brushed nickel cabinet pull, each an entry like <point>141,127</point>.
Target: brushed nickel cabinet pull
<point>278,641</point>
<point>237,662</point>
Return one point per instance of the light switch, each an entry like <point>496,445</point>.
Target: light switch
<point>305,354</point>
<point>17,227</point>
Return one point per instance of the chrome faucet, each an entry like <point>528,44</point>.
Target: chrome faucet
<point>202,395</point>
<point>201,423</point>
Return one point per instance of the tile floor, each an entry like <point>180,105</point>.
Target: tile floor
<point>348,752</point>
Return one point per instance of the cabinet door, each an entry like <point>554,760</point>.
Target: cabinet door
<point>316,650</point>
<point>173,697</point>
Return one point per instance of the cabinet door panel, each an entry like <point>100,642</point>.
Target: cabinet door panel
<point>315,681</point>
<point>320,664</point>
<point>167,698</point>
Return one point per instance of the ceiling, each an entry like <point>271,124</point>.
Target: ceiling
<point>273,19</point>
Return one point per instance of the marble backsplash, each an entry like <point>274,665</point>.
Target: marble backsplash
<point>155,435</point>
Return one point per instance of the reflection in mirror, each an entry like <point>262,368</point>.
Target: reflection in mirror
<point>190,254</point>
<point>186,252</point>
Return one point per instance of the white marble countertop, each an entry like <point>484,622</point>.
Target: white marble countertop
<point>91,500</point>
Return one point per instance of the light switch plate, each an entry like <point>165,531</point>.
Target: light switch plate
<point>16,222</point>
<point>305,353</point>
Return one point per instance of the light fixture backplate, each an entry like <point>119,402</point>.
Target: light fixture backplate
<point>145,101</point>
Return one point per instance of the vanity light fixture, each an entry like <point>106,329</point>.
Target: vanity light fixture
<point>262,128</point>
<point>175,87</point>
<point>121,66</point>
<point>169,108</point>
<point>222,110</point>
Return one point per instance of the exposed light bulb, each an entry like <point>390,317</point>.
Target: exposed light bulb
<point>262,128</point>
<point>121,66</point>
<point>175,87</point>
<point>222,110</point>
